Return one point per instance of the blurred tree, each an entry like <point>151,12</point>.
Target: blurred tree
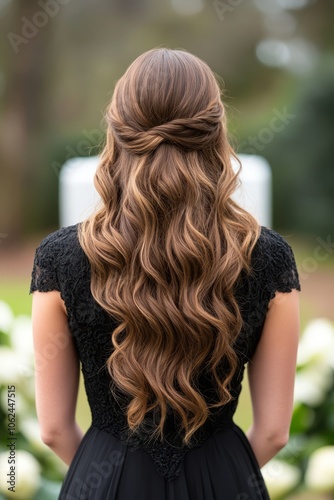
<point>23,115</point>
<point>302,158</point>
<point>58,82</point>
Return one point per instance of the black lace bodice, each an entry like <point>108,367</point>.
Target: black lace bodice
<point>60,264</point>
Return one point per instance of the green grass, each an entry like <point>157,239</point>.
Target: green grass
<point>16,293</point>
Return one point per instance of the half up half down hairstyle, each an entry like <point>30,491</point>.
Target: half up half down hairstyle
<point>168,243</point>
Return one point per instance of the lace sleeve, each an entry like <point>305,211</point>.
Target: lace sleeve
<point>44,273</point>
<point>281,274</point>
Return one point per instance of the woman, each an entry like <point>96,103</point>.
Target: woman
<point>164,295</point>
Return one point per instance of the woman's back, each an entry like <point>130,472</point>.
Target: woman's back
<point>60,264</point>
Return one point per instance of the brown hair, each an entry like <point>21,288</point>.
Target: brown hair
<point>168,242</point>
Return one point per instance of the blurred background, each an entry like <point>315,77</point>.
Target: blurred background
<point>59,61</point>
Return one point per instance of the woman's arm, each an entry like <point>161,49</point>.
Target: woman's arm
<point>271,374</point>
<point>56,375</point>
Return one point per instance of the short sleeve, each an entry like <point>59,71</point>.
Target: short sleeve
<point>44,276</point>
<point>280,273</point>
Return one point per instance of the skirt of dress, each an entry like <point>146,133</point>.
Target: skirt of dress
<point>223,468</point>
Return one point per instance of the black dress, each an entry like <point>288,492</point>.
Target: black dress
<point>112,464</point>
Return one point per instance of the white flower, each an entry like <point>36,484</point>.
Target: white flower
<point>26,480</point>
<point>10,366</point>
<point>280,477</point>
<point>21,336</point>
<point>320,471</point>
<point>317,343</point>
<point>312,384</point>
<point>6,317</point>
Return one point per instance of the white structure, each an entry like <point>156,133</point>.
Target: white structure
<point>255,192</point>
<point>77,194</point>
<point>78,197</point>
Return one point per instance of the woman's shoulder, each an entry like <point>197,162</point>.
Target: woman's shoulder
<point>63,236</point>
<point>271,245</point>
<point>273,260</point>
<point>57,256</point>
<point>271,239</point>
<point>58,247</point>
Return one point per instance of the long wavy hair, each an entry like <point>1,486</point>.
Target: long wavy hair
<point>168,243</point>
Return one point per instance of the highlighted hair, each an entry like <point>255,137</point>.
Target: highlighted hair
<point>168,242</point>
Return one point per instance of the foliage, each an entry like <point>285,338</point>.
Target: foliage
<point>301,157</point>
<point>307,462</point>
<point>37,472</point>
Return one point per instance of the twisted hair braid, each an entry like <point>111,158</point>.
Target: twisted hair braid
<point>194,133</point>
